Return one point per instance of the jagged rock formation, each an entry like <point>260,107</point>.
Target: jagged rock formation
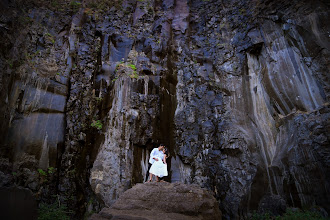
<point>163,200</point>
<point>238,91</point>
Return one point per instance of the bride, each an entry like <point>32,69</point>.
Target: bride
<point>159,167</point>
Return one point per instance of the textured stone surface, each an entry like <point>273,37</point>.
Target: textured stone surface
<point>163,200</point>
<point>238,91</point>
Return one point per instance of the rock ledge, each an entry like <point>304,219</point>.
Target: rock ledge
<point>163,200</point>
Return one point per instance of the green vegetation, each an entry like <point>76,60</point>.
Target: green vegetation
<point>10,63</point>
<point>134,75</point>
<point>242,11</point>
<point>50,37</point>
<point>132,66</point>
<point>103,5</point>
<point>42,172</point>
<point>25,20</point>
<point>97,124</point>
<point>72,172</point>
<point>220,45</point>
<point>98,99</point>
<point>301,215</point>
<point>51,170</point>
<point>89,11</point>
<point>290,215</point>
<point>54,4</point>
<point>131,73</point>
<point>29,57</point>
<point>114,80</point>
<point>53,211</point>
<point>75,4</point>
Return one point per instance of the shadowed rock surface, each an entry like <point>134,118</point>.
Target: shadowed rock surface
<point>163,200</point>
<point>238,90</point>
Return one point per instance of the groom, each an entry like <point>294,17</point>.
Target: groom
<point>156,152</point>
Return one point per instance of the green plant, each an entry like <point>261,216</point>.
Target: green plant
<point>292,214</point>
<point>89,11</point>
<point>220,45</point>
<point>97,124</point>
<point>242,11</point>
<point>134,75</point>
<point>98,99</point>
<point>257,216</point>
<point>42,172</point>
<point>53,211</point>
<point>10,63</point>
<point>14,173</point>
<point>54,4</point>
<point>25,20</point>
<point>114,80</point>
<point>50,37</point>
<point>75,4</point>
<point>51,170</point>
<point>72,172</point>
<point>132,66</point>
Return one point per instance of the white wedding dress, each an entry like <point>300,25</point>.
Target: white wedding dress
<point>158,168</point>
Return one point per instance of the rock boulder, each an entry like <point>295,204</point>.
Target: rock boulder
<point>163,200</point>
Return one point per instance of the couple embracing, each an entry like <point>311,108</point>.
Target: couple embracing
<point>157,163</point>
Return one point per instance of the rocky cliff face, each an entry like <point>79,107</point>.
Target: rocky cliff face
<point>238,91</point>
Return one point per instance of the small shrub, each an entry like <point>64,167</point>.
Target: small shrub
<point>54,4</point>
<point>10,63</point>
<point>75,4</point>
<point>52,212</point>
<point>50,37</point>
<point>89,11</point>
<point>257,216</point>
<point>132,66</point>
<point>51,170</point>
<point>98,99</point>
<point>97,124</point>
<point>42,172</point>
<point>300,215</point>
<point>25,20</point>
<point>134,75</point>
<point>242,11</point>
<point>289,215</point>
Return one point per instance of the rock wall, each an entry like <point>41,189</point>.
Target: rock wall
<point>237,90</point>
